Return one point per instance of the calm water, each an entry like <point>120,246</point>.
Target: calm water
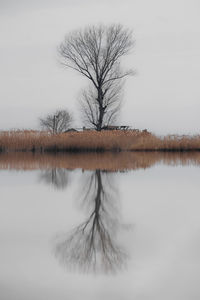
<point>123,226</point>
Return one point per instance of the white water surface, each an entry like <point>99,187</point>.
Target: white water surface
<point>154,217</point>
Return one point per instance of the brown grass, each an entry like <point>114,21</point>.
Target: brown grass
<point>167,143</point>
<point>95,141</point>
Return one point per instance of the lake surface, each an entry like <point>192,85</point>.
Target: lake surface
<point>107,226</point>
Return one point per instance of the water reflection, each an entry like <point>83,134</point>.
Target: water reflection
<point>58,178</point>
<point>92,161</point>
<point>93,245</point>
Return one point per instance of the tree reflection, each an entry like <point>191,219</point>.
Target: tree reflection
<point>93,245</point>
<point>57,177</point>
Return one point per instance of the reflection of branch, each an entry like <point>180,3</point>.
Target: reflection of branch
<point>92,246</point>
<point>56,177</point>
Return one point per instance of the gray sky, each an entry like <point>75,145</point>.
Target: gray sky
<point>163,97</point>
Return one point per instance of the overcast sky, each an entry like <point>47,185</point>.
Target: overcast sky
<point>163,97</point>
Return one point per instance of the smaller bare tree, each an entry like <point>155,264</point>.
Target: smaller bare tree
<point>57,122</point>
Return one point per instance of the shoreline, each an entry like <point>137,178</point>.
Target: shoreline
<point>91,150</point>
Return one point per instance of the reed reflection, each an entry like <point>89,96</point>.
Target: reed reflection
<point>91,161</point>
<point>58,178</point>
<point>93,245</point>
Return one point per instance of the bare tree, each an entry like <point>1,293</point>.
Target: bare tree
<point>95,52</point>
<point>57,122</point>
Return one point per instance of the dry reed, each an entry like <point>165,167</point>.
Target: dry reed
<point>116,140</point>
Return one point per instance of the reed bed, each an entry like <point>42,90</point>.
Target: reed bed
<point>167,143</point>
<point>111,140</point>
<point>71,141</point>
<point>121,161</point>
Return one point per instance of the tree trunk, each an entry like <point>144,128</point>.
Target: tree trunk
<point>99,124</point>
